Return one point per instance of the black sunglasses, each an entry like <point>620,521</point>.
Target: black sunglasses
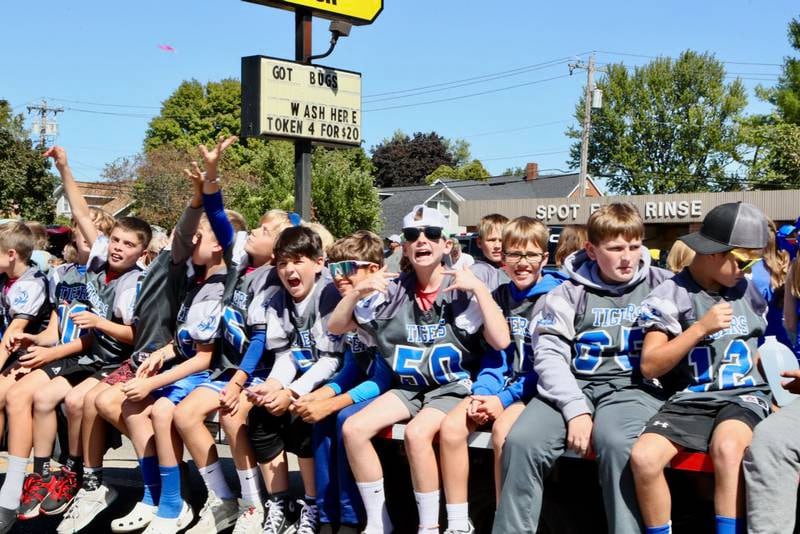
<point>432,233</point>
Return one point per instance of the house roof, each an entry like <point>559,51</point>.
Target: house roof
<point>398,201</point>
<point>114,197</point>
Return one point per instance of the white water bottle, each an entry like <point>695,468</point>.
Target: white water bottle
<point>776,358</point>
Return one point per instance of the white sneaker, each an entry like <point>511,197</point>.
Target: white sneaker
<point>217,515</point>
<point>136,519</point>
<point>251,519</point>
<point>470,530</point>
<point>85,507</point>
<point>309,518</point>
<point>163,525</point>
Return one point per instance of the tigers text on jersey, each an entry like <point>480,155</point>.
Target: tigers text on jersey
<point>724,363</point>
<point>298,332</point>
<point>67,284</point>
<point>245,310</point>
<point>425,349</point>
<point>25,298</point>
<point>199,315</point>
<point>112,300</point>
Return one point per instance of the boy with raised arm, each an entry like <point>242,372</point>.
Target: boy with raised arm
<point>430,326</point>
<point>703,325</point>
<point>591,395</point>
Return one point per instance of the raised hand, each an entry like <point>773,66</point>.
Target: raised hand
<point>464,280</point>
<point>212,157</point>
<point>377,282</point>
<point>59,156</point>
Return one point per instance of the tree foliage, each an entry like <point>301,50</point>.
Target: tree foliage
<point>776,156</point>
<point>666,127</point>
<point>473,170</point>
<point>785,96</point>
<point>256,177</point>
<point>404,160</point>
<point>26,183</point>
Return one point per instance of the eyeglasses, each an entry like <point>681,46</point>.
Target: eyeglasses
<point>347,267</point>
<point>513,258</point>
<point>744,259</point>
<point>432,233</point>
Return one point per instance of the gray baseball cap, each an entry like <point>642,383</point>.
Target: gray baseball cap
<point>729,226</point>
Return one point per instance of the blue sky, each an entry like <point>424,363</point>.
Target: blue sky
<point>98,59</point>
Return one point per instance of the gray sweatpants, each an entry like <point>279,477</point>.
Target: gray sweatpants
<point>771,470</point>
<point>538,438</point>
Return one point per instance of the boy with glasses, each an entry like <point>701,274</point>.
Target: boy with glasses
<point>506,380</point>
<point>433,340</point>
<point>703,326</point>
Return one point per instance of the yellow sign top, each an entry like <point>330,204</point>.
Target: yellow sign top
<point>355,11</point>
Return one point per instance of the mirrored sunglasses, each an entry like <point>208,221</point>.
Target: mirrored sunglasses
<point>346,268</point>
<point>745,259</point>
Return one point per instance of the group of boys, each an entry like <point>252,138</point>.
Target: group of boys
<point>315,351</point>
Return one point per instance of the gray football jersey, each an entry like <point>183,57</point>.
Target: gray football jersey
<point>113,300</point>
<point>25,298</point>
<point>244,312</point>
<point>67,284</point>
<point>199,316</point>
<point>425,349</point>
<point>723,364</point>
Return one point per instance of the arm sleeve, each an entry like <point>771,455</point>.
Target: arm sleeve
<point>284,368</point>
<point>182,245</point>
<point>552,345</point>
<point>254,351</point>
<point>492,373</point>
<point>347,376</point>
<point>316,375</point>
<point>215,210</point>
<point>379,381</point>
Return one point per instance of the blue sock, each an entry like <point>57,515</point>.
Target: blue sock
<point>151,478</point>
<point>729,525</point>
<point>170,503</point>
<point>662,529</point>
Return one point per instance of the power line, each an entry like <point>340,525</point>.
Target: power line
<point>529,127</point>
<point>668,57</point>
<point>510,72</point>
<point>450,99</point>
<point>550,153</point>
<point>103,104</point>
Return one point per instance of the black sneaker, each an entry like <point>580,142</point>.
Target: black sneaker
<point>274,517</point>
<point>7,519</point>
<point>34,491</point>
<point>308,523</point>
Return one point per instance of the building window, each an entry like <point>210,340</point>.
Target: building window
<point>444,208</point>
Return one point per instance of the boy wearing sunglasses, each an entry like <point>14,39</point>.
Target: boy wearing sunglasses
<point>703,326</point>
<point>433,339</point>
<point>506,380</point>
<point>362,378</point>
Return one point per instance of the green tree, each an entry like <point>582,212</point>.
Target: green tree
<point>785,96</point>
<point>26,183</point>
<point>404,160</point>
<point>473,170</point>
<point>776,155</point>
<point>666,127</point>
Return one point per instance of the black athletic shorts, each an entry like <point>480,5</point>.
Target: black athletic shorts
<point>272,434</point>
<point>69,368</point>
<point>690,425</point>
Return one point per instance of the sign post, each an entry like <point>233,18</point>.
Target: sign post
<point>323,105</point>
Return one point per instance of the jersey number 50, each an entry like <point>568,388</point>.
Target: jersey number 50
<point>442,366</point>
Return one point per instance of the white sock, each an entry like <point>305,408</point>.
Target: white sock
<point>215,480</point>
<point>372,494</point>
<point>428,509</point>
<point>458,516</point>
<point>11,491</point>
<point>248,480</point>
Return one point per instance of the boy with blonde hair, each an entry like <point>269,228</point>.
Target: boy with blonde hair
<point>591,395</point>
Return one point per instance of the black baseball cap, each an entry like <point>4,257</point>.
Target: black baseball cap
<point>729,226</point>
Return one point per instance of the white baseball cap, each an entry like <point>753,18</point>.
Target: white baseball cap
<point>422,215</point>
<point>395,238</point>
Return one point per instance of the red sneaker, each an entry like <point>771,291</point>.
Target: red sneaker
<point>34,491</point>
<point>61,493</point>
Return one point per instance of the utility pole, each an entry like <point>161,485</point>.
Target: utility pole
<point>587,119</point>
<point>302,147</point>
<point>45,129</point>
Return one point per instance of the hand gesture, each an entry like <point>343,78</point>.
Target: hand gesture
<point>20,340</point>
<point>278,402</point>
<point>464,280</point>
<point>376,282</point>
<point>137,389</point>
<point>485,408</point>
<point>579,434</point>
<point>151,365</point>
<point>312,411</point>
<point>36,357</point>
<point>194,174</point>
<point>793,385</point>
<point>86,319</point>
<point>229,398</point>
<point>59,156</point>
<point>718,318</point>
<point>212,157</point>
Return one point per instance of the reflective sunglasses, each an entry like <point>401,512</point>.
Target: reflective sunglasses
<point>347,267</point>
<point>744,259</point>
<point>432,233</point>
